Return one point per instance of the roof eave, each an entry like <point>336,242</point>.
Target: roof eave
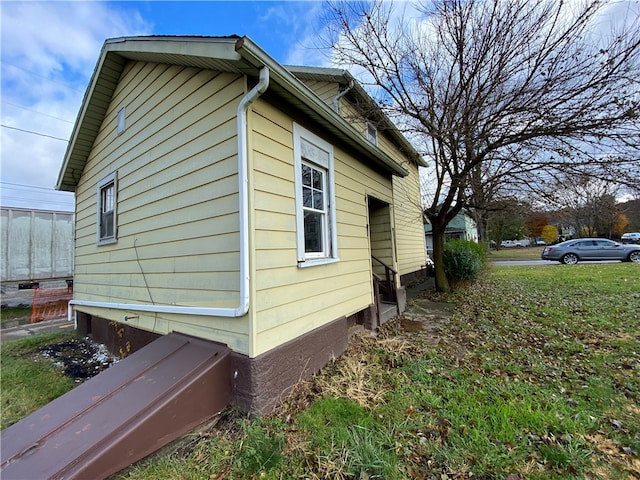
<point>335,74</point>
<point>240,52</point>
<point>285,78</point>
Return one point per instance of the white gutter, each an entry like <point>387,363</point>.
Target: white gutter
<point>336,99</point>
<point>243,186</point>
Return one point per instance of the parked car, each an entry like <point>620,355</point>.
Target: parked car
<point>573,251</point>
<point>631,237</point>
<point>515,243</point>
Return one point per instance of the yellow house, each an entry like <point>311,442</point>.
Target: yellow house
<point>224,196</point>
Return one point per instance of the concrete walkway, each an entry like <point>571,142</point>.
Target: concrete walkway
<point>28,329</point>
<point>423,314</point>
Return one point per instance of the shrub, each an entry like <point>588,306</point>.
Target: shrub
<point>463,260</point>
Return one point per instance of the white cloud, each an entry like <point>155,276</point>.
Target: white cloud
<point>301,21</point>
<point>49,50</point>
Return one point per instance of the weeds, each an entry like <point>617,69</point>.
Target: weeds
<point>20,314</point>
<point>28,380</point>
<point>260,449</point>
<point>534,376</point>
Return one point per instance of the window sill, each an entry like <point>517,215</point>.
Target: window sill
<point>317,261</point>
<point>107,241</point>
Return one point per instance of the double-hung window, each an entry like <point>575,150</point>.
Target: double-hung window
<point>106,215</point>
<point>315,199</point>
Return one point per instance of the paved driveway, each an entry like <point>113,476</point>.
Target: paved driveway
<point>533,263</point>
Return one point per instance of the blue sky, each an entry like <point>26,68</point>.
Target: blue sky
<point>49,51</point>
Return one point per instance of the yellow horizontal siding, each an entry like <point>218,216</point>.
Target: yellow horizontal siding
<point>222,281</point>
<point>327,91</point>
<point>178,220</point>
<point>227,262</point>
<point>346,302</point>
<point>409,230</point>
<point>177,217</point>
<point>290,301</point>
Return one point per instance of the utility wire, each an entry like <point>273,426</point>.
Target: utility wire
<point>10,189</point>
<point>60,200</point>
<point>44,200</point>
<point>36,111</point>
<point>48,79</point>
<point>34,133</point>
<point>28,186</point>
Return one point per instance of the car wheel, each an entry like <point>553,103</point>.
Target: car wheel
<point>634,256</point>
<point>570,259</point>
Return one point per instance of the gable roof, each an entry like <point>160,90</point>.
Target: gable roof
<point>459,223</point>
<point>230,54</point>
<point>344,77</point>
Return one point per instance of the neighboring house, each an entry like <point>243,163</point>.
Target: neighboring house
<point>566,231</point>
<point>462,227</point>
<point>222,195</point>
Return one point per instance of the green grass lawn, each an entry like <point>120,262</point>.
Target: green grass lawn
<point>535,376</point>
<point>8,315</point>
<point>28,380</point>
<point>515,253</point>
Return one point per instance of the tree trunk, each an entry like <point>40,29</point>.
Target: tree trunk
<point>482,224</point>
<point>442,283</point>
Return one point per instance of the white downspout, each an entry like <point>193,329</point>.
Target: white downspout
<point>243,179</point>
<point>336,99</point>
<point>243,186</point>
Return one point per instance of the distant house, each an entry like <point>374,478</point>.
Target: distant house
<point>222,195</point>
<point>462,227</point>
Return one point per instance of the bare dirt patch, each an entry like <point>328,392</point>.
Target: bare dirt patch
<point>81,359</point>
<point>428,317</point>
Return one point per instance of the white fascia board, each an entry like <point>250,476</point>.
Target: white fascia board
<point>222,48</point>
<point>279,74</point>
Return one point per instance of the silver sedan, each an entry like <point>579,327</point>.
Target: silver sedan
<point>590,249</point>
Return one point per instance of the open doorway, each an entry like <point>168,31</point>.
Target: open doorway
<point>382,259</point>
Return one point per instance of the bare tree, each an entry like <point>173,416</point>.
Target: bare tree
<point>588,205</point>
<point>472,82</point>
<point>507,220</point>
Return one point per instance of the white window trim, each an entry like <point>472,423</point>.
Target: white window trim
<point>112,178</point>
<point>331,251</point>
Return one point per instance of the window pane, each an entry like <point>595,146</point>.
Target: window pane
<point>306,175</point>
<point>107,198</point>
<point>307,197</point>
<point>106,225</point>
<point>372,134</point>
<point>318,204</point>
<point>313,232</point>
<point>317,179</point>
